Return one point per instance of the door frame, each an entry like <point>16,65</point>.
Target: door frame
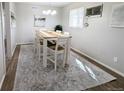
<point>3,47</point>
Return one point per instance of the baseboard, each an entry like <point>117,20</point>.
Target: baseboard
<point>99,62</point>
<point>13,51</point>
<point>2,81</point>
<point>25,43</point>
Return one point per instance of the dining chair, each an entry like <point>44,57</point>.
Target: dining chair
<point>38,46</point>
<point>55,50</point>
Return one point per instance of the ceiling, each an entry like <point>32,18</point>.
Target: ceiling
<point>55,4</point>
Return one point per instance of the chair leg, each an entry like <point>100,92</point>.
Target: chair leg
<point>64,58</point>
<point>55,64</point>
<point>34,45</point>
<point>34,49</point>
<point>39,51</point>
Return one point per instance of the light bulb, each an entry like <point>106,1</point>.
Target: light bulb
<point>53,12</point>
<point>48,12</point>
<point>44,12</point>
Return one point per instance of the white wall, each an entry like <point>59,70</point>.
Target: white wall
<point>10,29</point>
<point>99,40</point>
<point>7,29</point>
<point>13,28</point>
<point>25,21</point>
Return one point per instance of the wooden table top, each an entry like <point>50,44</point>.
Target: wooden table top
<point>51,34</point>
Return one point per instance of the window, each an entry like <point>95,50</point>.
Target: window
<point>76,17</point>
<point>93,11</point>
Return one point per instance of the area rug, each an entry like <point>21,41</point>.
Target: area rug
<point>78,75</point>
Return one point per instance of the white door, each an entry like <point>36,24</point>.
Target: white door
<point>2,57</point>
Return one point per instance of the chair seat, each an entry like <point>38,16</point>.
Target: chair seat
<point>41,42</point>
<point>54,47</point>
<point>51,43</point>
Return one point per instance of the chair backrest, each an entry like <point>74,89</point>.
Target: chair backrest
<point>61,41</point>
<point>37,38</point>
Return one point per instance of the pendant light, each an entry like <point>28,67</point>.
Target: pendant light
<point>49,12</point>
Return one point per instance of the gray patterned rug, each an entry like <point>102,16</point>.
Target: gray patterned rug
<point>79,75</point>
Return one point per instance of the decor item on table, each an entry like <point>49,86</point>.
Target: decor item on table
<point>117,16</point>
<point>39,21</point>
<point>58,27</point>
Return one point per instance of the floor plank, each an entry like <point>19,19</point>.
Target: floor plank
<point>11,71</point>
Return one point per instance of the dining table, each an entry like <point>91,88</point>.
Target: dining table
<point>46,35</point>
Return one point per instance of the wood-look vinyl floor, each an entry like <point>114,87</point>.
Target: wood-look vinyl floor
<point>11,71</point>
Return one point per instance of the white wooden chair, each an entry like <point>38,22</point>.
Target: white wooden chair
<point>38,46</point>
<point>59,48</point>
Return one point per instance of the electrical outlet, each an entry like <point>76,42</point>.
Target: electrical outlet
<point>115,59</point>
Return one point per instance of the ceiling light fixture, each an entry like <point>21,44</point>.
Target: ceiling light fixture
<point>53,12</point>
<point>49,12</point>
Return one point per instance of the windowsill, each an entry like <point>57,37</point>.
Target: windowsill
<point>76,27</point>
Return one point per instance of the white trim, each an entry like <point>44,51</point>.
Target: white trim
<point>101,63</point>
<point>2,81</point>
<point>2,38</point>
<point>25,43</point>
<point>13,50</point>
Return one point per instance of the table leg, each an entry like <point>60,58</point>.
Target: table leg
<point>45,52</point>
